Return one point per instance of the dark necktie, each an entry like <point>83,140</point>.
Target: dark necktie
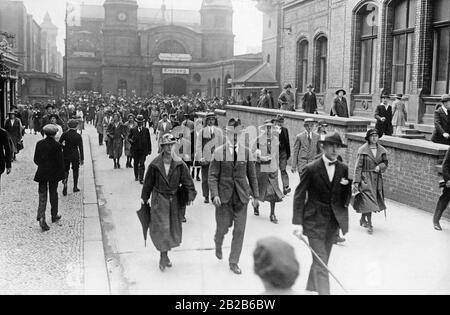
<point>333,163</point>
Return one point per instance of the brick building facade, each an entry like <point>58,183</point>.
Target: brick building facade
<point>122,49</point>
<point>368,47</point>
<point>40,73</point>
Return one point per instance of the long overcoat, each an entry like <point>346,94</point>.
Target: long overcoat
<point>370,182</point>
<point>14,129</point>
<point>116,136</point>
<point>166,218</point>
<point>99,122</point>
<point>340,106</point>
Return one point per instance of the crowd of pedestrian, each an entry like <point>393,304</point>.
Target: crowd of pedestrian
<point>234,173</point>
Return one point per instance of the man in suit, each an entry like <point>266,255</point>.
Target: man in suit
<point>73,154</point>
<point>444,200</point>
<point>306,147</point>
<point>309,101</point>
<point>321,207</point>
<point>141,147</point>
<point>49,158</point>
<point>383,115</point>
<point>5,154</point>
<point>287,99</point>
<point>232,179</point>
<point>441,132</point>
<point>98,123</point>
<point>207,141</point>
<point>285,153</point>
<point>164,126</point>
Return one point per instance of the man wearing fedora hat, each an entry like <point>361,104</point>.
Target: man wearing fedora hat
<point>309,101</point>
<point>441,132</point>
<point>286,99</point>
<point>340,108</point>
<point>141,147</point>
<point>49,159</point>
<point>232,179</point>
<point>383,115</point>
<point>321,207</point>
<point>306,147</point>
<point>73,154</point>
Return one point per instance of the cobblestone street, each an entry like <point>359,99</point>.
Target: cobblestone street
<point>32,262</point>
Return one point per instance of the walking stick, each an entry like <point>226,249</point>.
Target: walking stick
<point>300,237</point>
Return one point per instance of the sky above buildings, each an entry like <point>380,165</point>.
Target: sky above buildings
<point>247,19</point>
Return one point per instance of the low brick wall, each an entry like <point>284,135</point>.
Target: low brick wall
<point>294,121</point>
<point>414,169</point>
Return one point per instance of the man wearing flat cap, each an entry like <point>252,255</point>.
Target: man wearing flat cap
<point>441,132</point>
<point>275,263</point>
<point>321,207</point>
<point>306,147</point>
<point>264,99</point>
<point>287,99</point>
<point>49,159</point>
<point>73,154</point>
<point>232,180</point>
<point>309,101</point>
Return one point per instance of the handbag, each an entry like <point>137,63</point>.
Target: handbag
<point>20,145</point>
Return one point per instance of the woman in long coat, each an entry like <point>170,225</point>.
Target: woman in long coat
<point>130,124</point>
<point>13,126</point>
<point>340,108</point>
<point>400,115</point>
<point>267,168</point>
<point>116,135</point>
<point>170,186</point>
<point>371,163</point>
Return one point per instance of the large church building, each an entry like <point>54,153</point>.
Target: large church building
<point>122,49</point>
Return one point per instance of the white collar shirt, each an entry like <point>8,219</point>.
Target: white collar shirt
<point>331,169</point>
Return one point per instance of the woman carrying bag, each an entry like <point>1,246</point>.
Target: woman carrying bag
<point>371,163</point>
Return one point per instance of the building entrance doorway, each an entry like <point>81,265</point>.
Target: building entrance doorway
<point>83,84</point>
<point>175,86</point>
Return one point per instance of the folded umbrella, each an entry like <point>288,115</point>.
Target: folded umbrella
<point>145,219</point>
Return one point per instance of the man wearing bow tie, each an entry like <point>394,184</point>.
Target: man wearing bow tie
<point>321,207</point>
<point>232,179</point>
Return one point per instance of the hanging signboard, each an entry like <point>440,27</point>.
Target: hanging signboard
<point>175,71</point>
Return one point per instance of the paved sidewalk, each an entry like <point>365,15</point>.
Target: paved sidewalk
<point>32,262</point>
<point>404,256</point>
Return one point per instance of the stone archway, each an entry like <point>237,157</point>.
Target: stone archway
<point>175,86</point>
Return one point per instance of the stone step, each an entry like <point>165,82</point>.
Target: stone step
<point>412,132</point>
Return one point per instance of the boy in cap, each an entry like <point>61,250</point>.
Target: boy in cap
<point>49,158</point>
<point>306,147</point>
<point>73,154</point>
<point>321,207</point>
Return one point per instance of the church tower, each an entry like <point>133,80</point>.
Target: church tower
<point>121,48</point>
<point>217,29</point>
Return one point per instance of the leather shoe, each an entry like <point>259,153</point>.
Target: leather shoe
<point>65,191</point>
<point>219,254</point>
<point>76,190</point>
<point>287,191</point>
<point>235,268</point>
<point>437,227</point>
<point>141,182</point>
<point>339,240</point>
<point>206,200</point>
<point>44,225</point>
<point>273,219</point>
<point>56,219</point>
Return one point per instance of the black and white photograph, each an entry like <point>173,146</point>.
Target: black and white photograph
<point>224,154</point>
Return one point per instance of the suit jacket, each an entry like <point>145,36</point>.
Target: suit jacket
<point>384,128</point>
<point>210,140</point>
<point>284,142</point>
<point>5,151</point>
<point>264,101</point>
<point>72,146</point>
<point>141,142</point>
<point>316,200</point>
<point>226,177</point>
<point>305,151</point>
<point>49,158</point>
<point>441,126</point>
<point>309,103</point>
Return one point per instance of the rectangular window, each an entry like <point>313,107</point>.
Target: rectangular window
<point>442,62</point>
<point>401,15</point>
<point>412,13</point>
<point>368,59</point>
<point>398,66</point>
<point>441,10</point>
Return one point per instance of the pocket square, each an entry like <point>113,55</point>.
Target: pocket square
<point>345,182</point>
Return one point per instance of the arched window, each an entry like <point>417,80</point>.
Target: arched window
<point>368,21</point>
<point>320,71</point>
<point>171,47</point>
<point>404,42</point>
<point>214,88</point>
<point>122,88</point>
<point>441,67</point>
<point>302,65</point>
<point>209,88</point>
<point>268,58</point>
